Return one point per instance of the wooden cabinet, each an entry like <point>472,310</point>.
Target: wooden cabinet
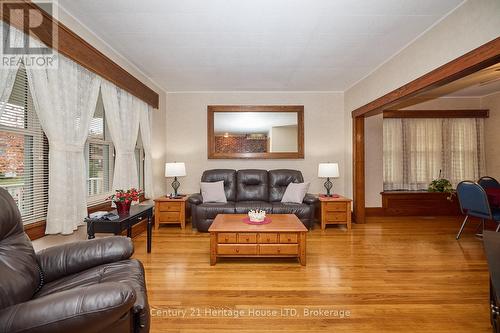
<point>335,211</point>
<point>170,211</point>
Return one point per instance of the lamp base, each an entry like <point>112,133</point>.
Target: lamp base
<point>175,185</point>
<point>328,185</point>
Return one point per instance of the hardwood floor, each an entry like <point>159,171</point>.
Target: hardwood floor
<point>388,275</point>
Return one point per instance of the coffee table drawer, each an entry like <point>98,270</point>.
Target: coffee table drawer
<point>336,217</point>
<point>170,207</point>
<point>267,237</point>
<point>237,249</point>
<point>247,238</point>
<point>288,238</point>
<point>169,217</point>
<point>335,207</point>
<point>226,237</point>
<point>275,249</point>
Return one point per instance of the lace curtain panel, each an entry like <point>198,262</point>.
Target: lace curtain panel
<point>7,73</point>
<point>145,120</point>
<point>122,117</point>
<point>416,150</point>
<point>65,98</point>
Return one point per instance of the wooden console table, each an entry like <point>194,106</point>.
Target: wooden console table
<point>125,222</point>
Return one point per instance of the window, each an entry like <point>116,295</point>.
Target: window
<point>24,153</point>
<point>99,156</point>
<point>139,157</point>
<point>416,151</point>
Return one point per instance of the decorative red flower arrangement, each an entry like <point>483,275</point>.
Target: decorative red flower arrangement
<point>126,196</point>
<point>123,199</point>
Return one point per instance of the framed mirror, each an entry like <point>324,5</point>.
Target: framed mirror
<point>255,132</point>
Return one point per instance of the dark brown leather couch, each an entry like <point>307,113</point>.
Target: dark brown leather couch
<point>89,286</point>
<point>251,189</point>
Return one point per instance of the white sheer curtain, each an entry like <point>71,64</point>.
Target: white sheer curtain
<point>145,115</point>
<point>122,117</point>
<point>8,73</point>
<point>393,154</point>
<point>416,150</point>
<point>65,98</point>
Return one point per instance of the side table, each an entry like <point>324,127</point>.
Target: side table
<point>335,211</point>
<point>170,211</point>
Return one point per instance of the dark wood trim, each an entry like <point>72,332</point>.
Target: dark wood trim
<point>479,113</point>
<point>212,154</point>
<point>77,49</point>
<point>477,59</point>
<point>35,230</point>
<point>413,203</point>
<point>374,211</point>
<point>359,169</point>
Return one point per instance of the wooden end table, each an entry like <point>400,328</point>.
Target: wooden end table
<point>170,211</point>
<point>285,236</point>
<point>335,211</point>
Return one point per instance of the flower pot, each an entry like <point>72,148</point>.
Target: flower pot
<point>122,207</point>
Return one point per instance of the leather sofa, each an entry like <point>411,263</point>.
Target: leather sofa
<point>251,189</point>
<point>89,286</point>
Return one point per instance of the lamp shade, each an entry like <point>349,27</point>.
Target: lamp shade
<point>326,170</point>
<point>176,169</point>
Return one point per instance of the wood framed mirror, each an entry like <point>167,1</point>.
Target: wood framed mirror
<point>255,131</point>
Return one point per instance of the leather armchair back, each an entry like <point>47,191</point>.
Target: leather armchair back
<point>279,180</point>
<point>252,185</point>
<point>19,270</point>
<point>229,178</point>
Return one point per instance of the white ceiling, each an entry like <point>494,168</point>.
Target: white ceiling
<point>285,45</point>
<point>251,122</point>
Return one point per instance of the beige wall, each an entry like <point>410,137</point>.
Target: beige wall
<point>471,25</point>
<point>186,131</point>
<point>158,130</point>
<point>283,139</point>
<point>374,183</point>
<point>492,135</point>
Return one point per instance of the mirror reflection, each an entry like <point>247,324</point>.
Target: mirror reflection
<point>256,132</point>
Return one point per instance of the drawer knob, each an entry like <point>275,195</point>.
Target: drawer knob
<point>279,250</point>
<point>248,239</point>
<point>269,239</point>
<point>225,239</point>
<point>237,250</point>
<point>289,239</point>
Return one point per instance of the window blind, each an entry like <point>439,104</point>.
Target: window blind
<point>99,156</point>
<point>24,153</point>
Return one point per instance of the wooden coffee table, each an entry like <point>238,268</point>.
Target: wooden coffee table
<point>285,236</point>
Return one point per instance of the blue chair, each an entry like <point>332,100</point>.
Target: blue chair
<point>474,202</point>
<point>488,182</point>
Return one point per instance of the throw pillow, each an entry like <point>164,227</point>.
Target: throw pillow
<point>295,192</point>
<point>213,192</point>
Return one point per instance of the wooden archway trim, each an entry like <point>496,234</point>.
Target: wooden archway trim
<point>484,56</point>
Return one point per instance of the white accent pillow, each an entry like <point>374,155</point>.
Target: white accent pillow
<point>295,192</point>
<point>213,192</point>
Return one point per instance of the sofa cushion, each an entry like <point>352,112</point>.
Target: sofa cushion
<point>213,192</point>
<point>210,210</point>
<point>252,185</point>
<point>243,207</point>
<point>226,175</point>
<point>279,180</point>
<point>295,192</point>
<point>130,272</point>
<point>19,272</point>
<point>303,211</point>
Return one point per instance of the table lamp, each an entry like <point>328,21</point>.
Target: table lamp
<point>175,169</point>
<point>327,170</point>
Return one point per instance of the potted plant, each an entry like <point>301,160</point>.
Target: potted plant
<point>123,199</point>
<point>442,185</point>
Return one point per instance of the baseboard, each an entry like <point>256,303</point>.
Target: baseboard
<point>374,211</point>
